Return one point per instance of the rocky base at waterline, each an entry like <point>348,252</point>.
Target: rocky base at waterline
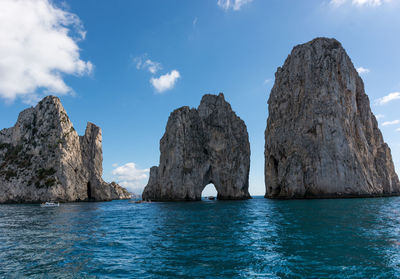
<point>322,140</point>
<point>201,146</point>
<point>42,158</point>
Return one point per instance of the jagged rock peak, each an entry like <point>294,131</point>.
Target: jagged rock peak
<point>201,146</point>
<point>322,140</point>
<point>42,158</point>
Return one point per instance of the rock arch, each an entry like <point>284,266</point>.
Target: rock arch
<point>209,191</point>
<point>201,146</point>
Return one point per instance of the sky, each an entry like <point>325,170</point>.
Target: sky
<point>126,65</point>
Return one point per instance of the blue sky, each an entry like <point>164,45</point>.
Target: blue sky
<point>125,65</point>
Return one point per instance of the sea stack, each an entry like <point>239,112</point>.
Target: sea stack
<point>201,146</point>
<point>42,158</point>
<point>322,140</point>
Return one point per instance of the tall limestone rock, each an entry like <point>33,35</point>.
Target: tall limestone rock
<point>201,146</point>
<point>322,140</point>
<point>42,158</point>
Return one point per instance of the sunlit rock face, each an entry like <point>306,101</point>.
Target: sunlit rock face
<point>201,146</point>
<point>322,140</point>
<point>42,158</point>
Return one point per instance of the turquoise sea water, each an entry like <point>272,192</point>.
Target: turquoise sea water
<point>258,238</point>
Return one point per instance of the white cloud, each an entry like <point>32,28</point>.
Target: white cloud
<point>362,70</point>
<point>367,2</point>
<point>379,116</point>
<point>129,176</point>
<point>195,20</point>
<point>165,82</point>
<point>38,44</point>
<point>388,98</point>
<point>360,3</point>
<point>268,80</point>
<point>398,129</point>
<point>394,122</point>
<point>232,4</point>
<point>142,62</point>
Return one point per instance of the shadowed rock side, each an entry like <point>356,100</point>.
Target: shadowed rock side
<point>42,158</point>
<point>201,146</point>
<point>322,139</point>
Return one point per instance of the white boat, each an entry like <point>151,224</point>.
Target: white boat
<point>50,204</point>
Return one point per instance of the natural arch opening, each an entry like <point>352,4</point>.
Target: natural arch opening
<point>209,192</point>
<point>89,191</point>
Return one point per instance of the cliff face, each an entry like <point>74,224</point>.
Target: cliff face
<point>42,158</point>
<point>322,139</point>
<point>201,146</point>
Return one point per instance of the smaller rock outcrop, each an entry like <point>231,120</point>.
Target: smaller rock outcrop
<point>322,140</point>
<point>42,158</point>
<point>201,146</point>
<point>92,158</point>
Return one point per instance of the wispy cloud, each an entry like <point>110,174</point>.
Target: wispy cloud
<point>142,62</point>
<point>359,3</point>
<point>362,70</point>
<point>388,98</point>
<point>394,122</point>
<point>337,3</point>
<point>38,45</point>
<point>379,116</point>
<point>195,20</point>
<point>398,129</point>
<point>232,4</point>
<point>165,82</point>
<point>130,176</point>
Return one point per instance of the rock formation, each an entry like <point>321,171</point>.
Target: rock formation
<point>42,158</point>
<point>322,139</point>
<point>201,146</point>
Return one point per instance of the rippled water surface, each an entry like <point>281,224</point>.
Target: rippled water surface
<point>350,238</point>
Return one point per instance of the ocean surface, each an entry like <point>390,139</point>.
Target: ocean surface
<point>258,238</point>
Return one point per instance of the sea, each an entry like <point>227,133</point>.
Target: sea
<point>257,238</point>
